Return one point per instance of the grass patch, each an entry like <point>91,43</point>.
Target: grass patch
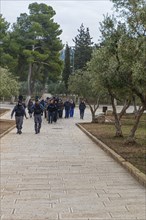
<point>133,153</point>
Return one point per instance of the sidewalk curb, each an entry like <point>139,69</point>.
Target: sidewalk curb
<point>141,177</point>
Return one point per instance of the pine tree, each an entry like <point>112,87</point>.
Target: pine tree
<point>67,71</point>
<point>83,48</point>
<point>33,50</point>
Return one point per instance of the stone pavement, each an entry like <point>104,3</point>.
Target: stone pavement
<point>60,174</point>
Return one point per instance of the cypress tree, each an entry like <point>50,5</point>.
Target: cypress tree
<point>67,71</point>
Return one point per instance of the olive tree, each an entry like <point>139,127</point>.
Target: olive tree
<point>82,84</point>
<point>8,84</point>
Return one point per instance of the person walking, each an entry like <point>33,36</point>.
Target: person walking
<point>43,103</point>
<point>19,111</point>
<point>82,107</point>
<point>56,110</point>
<point>47,101</point>
<point>29,107</point>
<point>51,111</point>
<point>67,108</point>
<point>72,106</point>
<point>60,108</point>
<point>38,112</point>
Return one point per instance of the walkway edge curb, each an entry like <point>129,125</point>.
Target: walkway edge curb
<point>141,177</point>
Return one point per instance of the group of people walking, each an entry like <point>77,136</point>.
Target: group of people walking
<point>51,108</point>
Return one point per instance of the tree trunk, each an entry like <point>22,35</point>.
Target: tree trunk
<point>134,104</point>
<point>131,137</point>
<point>93,110</point>
<point>117,121</point>
<point>29,80</point>
<point>32,87</point>
<point>27,100</point>
<point>93,116</point>
<point>12,100</point>
<point>125,107</point>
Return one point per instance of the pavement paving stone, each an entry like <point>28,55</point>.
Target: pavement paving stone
<point>87,215</point>
<point>60,174</point>
<point>28,216</point>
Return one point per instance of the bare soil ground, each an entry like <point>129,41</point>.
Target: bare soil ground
<point>5,124</point>
<point>3,110</point>
<point>134,153</point>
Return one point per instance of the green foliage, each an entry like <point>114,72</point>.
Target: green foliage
<point>8,84</point>
<point>57,88</point>
<point>83,48</point>
<point>34,40</point>
<point>5,58</point>
<point>4,25</point>
<point>81,83</point>
<point>67,69</point>
<point>119,63</point>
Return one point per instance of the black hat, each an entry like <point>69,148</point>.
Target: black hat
<point>20,97</point>
<point>36,98</point>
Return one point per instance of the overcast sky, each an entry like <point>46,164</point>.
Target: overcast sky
<point>69,14</point>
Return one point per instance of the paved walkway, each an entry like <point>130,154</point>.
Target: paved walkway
<point>61,174</point>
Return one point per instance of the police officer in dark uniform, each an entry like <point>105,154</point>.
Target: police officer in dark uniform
<point>56,110</point>
<point>67,108</point>
<point>51,111</point>
<point>60,108</point>
<point>38,112</point>
<point>19,111</point>
<point>82,107</point>
<point>29,106</point>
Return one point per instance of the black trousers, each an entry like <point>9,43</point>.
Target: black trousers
<point>37,122</point>
<point>19,122</point>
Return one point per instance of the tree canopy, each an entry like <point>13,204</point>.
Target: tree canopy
<point>67,66</point>
<point>34,45</point>
<point>119,62</point>
<point>9,86</point>
<point>83,48</point>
